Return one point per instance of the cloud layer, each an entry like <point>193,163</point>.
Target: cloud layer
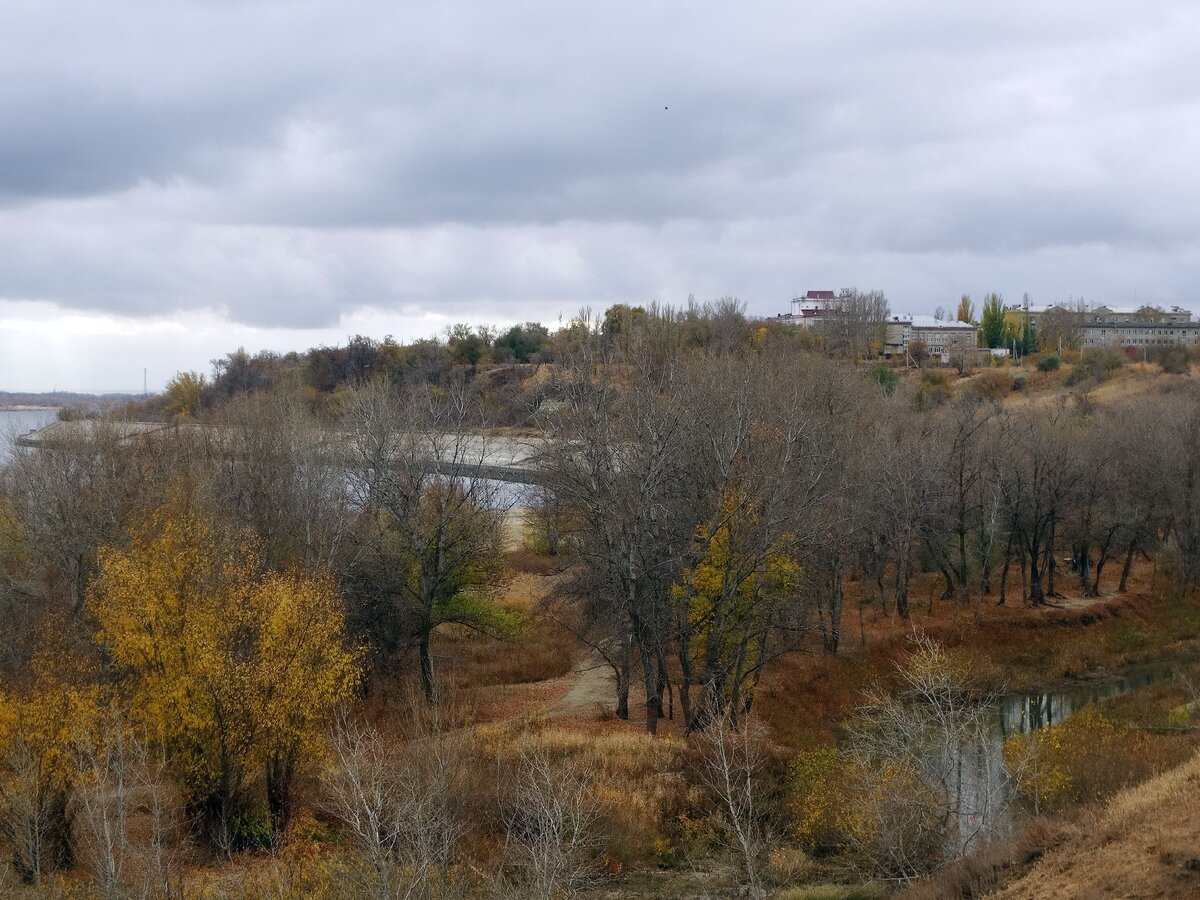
<point>285,167</point>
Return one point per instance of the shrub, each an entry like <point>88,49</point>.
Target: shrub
<point>1078,375</point>
<point>1049,363</point>
<point>1172,360</point>
<point>251,830</point>
<point>817,798</point>
<point>992,384</point>
<point>886,378</point>
<point>1095,364</point>
<point>1087,758</point>
<point>933,389</point>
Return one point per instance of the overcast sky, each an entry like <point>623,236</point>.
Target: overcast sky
<point>181,178</point>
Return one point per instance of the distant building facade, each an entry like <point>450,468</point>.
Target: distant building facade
<point>1106,326</point>
<point>812,309</point>
<point>943,340</point>
<point>1143,326</point>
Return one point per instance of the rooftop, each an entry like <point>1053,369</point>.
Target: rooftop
<point>931,322</point>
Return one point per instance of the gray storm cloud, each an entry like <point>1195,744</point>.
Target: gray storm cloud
<point>286,163</point>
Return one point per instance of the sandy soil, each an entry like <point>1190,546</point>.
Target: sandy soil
<point>592,686</point>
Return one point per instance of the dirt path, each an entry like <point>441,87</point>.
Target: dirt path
<point>592,685</point>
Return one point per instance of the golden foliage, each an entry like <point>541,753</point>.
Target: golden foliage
<point>227,667</point>
<point>183,394</point>
<point>1085,759</point>
<point>39,725</point>
<point>731,595</point>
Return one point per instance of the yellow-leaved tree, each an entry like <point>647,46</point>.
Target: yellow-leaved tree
<point>726,606</point>
<point>235,671</point>
<point>37,726</point>
<point>183,394</point>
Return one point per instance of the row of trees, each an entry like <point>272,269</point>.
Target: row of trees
<point>717,507</point>
<point>461,351</point>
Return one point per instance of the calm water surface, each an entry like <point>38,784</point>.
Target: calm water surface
<point>978,777</point>
<point>18,422</point>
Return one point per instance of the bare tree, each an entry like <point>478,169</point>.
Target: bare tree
<point>272,467</point>
<point>1176,432</point>
<point>615,460</point>
<point>33,814</point>
<point>430,524</point>
<point>853,324</point>
<point>732,755</point>
<point>908,490</point>
<point>551,826</point>
<point>1039,473</point>
<point>1061,327</point>
<point>68,498</point>
<point>397,800</point>
<point>932,781</point>
<point>124,813</point>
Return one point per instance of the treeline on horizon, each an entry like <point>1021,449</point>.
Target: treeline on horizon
<point>217,623</point>
<point>503,359</point>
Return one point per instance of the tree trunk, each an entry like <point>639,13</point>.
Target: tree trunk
<point>964,584</point>
<point>1094,590</point>
<point>1024,570</point>
<point>1004,572</point>
<point>623,679</point>
<point>280,772</point>
<point>427,686</point>
<point>901,596</point>
<point>653,689</point>
<point>1083,561</point>
<point>948,591</point>
<point>1124,585</point>
<point>1051,562</point>
<point>664,688</point>
<point>833,635</point>
<point>1037,596</point>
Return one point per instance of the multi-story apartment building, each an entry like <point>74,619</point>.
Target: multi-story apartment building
<point>1107,326</point>
<point>1143,326</point>
<point>943,340</point>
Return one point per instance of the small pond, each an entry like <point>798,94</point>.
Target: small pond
<point>980,787</point>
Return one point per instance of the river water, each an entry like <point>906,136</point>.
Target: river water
<point>981,789</point>
<point>15,422</point>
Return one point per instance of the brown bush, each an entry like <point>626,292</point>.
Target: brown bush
<point>992,867</point>
<point>992,384</point>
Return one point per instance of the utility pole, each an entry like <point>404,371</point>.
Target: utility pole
<point>145,392</point>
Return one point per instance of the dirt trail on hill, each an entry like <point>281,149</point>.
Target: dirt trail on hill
<point>593,684</point>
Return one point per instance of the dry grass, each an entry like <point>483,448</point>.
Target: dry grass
<point>1143,844</point>
<point>633,775</point>
<point>539,651</point>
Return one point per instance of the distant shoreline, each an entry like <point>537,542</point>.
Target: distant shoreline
<point>21,407</point>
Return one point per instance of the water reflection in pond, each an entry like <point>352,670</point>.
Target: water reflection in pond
<point>1025,713</point>
<point>980,784</point>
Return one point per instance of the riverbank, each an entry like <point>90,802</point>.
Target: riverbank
<point>806,696</point>
<point>1141,844</point>
<point>1123,753</point>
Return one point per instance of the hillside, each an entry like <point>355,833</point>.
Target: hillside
<point>1143,844</point>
